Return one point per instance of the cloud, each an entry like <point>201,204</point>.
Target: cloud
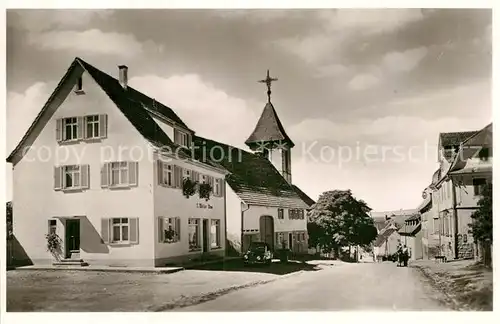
<point>312,49</point>
<point>37,20</point>
<point>397,129</point>
<point>404,61</point>
<point>209,111</point>
<point>363,81</point>
<point>89,41</point>
<point>341,25</point>
<point>332,70</point>
<point>22,108</point>
<point>369,21</point>
<point>255,15</point>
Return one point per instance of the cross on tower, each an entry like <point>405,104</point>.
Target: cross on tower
<point>268,80</point>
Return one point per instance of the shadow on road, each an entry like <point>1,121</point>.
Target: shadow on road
<point>276,268</point>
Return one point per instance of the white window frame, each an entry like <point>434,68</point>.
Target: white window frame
<point>194,222</point>
<point>186,174</point>
<point>71,122</point>
<point>119,166</point>
<point>217,187</point>
<point>52,226</point>
<point>121,224</point>
<point>93,120</point>
<point>478,188</point>
<point>76,174</point>
<point>171,221</point>
<point>281,213</point>
<point>216,223</point>
<point>168,170</point>
<point>182,138</point>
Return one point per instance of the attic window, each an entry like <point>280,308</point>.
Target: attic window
<point>79,86</point>
<point>484,154</point>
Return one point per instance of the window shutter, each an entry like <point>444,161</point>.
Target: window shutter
<point>134,230</point>
<point>178,176</point>
<point>178,228</point>
<point>176,136</point>
<point>160,229</point>
<point>79,130</point>
<point>133,169</point>
<point>211,183</point>
<point>84,176</point>
<point>58,178</point>
<point>195,176</point>
<point>161,180</point>
<point>105,175</point>
<point>84,128</point>
<point>222,187</point>
<point>105,230</point>
<point>59,128</point>
<point>103,126</point>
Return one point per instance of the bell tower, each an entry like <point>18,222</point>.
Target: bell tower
<point>269,137</point>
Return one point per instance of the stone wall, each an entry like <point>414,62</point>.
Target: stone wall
<point>465,246</point>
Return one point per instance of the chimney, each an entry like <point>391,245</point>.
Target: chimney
<point>123,75</point>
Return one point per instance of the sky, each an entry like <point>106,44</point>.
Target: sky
<point>363,93</point>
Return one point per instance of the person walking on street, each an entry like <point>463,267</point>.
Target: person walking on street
<point>406,255</point>
<point>399,254</point>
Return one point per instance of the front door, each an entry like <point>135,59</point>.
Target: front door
<point>206,235</point>
<point>72,236</point>
<point>266,228</point>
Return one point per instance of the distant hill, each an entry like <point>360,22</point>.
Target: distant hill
<point>401,212</point>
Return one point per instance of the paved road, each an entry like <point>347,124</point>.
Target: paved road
<point>363,286</point>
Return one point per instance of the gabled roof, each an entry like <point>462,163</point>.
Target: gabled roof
<point>436,176</point>
<point>252,177</point>
<point>413,217</point>
<point>470,146</point>
<point>114,90</point>
<point>134,105</point>
<point>380,223</point>
<point>268,129</point>
<point>410,230</point>
<point>384,234</point>
<point>484,137</point>
<point>425,204</point>
<point>303,196</point>
<point>454,138</point>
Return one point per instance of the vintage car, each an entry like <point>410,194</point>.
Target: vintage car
<point>258,253</point>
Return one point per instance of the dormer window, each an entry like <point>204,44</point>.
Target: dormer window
<point>484,154</point>
<point>182,138</point>
<point>79,86</point>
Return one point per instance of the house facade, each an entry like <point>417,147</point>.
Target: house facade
<point>465,167</point>
<point>105,168</point>
<point>411,236</point>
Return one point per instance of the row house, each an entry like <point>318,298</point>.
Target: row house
<point>465,167</point>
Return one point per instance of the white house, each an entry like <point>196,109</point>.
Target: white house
<point>466,163</point>
<point>103,166</point>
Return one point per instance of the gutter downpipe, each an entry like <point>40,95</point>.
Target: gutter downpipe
<point>242,214</point>
<point>455,217</point>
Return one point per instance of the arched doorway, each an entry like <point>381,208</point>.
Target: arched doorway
<point>266,228</point>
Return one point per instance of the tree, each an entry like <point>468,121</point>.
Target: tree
<point>482,222</point>
<point>339,219</point>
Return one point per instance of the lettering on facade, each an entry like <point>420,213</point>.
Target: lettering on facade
<point>204,206</point>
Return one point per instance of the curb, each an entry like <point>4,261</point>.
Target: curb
<point>436,285</point>
<point>122,270</point>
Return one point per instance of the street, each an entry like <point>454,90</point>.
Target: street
<point>362,286</point>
